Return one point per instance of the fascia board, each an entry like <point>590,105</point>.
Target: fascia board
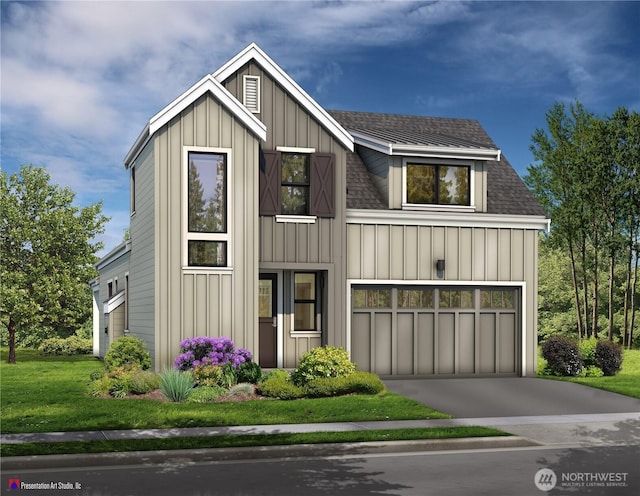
<point>254,52</point>
<point>447,219</point>
<point>114,302</point>
<point>207,83</point>
<point>391,149</point>
<point>446,152</point>
<point>113,255</point>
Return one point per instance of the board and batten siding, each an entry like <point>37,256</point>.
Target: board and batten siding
<point>205,301</point>
<point>143,229</point>
<point>383,252</point>
<point>319,246</point>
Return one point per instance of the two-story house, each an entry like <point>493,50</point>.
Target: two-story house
<point>258,215</point>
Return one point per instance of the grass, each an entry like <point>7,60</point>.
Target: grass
<point>626,382</point>
<point>29,449</point>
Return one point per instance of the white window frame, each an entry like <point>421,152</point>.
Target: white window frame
<point>245,80</point>
<point>471,164</point>
<point>189,236</point>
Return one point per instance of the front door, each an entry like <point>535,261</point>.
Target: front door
<point>267,320</point>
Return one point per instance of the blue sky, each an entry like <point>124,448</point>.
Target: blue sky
<point>79,80</point>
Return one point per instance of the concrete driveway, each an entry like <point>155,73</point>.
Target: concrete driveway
<point>511,397</point>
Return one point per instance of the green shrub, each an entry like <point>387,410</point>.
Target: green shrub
<point>176,385</point>
<point>207,375</point>
<point>100,387</point>
<point>587,349</point>
<point>355,383</point>
<point>144,382</point>
<point>562,356</point>
<point>591,371</point>
<point>73,345</point>
<point>206,394</point>
<point>127,349</point>
<point>609,357</point>
<point>325,361</point>
<point>229,375</point>
<point>249,372</point>
<point>283,374</point>
<point>277,386</point>
<point>241,389</point>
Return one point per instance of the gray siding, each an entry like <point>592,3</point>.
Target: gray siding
<point>388,252</point>
<point>318,246</point>
<point>198,301</point>
<point>378,164</point>
<point>110,272</point>
<point>143,228</point>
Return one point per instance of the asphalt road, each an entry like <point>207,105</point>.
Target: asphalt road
<point>458,473</point>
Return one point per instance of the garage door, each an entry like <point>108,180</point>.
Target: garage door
<point>422,330</point>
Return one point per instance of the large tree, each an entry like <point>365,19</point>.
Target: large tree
<point>586,177</point>
<point>47,256</point>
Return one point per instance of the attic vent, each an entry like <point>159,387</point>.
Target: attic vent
<point>252,93</point>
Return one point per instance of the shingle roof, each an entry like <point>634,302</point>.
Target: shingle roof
<point>506,192</point>
<point>361,193</point>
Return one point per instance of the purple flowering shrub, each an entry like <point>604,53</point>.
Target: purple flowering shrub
<point>210,351</point>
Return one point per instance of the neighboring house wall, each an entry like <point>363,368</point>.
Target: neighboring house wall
<point>113,274</point>
<point>293,246</point>
<point>192,301</point>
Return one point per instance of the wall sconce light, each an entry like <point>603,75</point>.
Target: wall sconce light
<point>440,265</point>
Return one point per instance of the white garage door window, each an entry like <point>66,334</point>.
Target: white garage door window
<point>421,330</point>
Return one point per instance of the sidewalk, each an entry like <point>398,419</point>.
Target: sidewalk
<point>537,428</point>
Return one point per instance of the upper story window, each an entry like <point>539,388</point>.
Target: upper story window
<point>294,191</point>
<point>438,184</point>
<point>207,233</point>
<point>297,182</point>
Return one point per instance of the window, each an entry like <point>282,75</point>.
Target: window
<point>415,298</point>
<point>297,182</point>
<point>206,209</point>
<point>372,298</point>
<point>456,299</point>
<point>428,184</point>
<point>497,299</point>
<point>294,192</point>
<point>305,302</point>
<point>132,191</point>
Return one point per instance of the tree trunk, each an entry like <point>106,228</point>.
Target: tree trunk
<point>12,340</point>
<point>633,298</point>
<point>596,288</point>
<point>627,295</point>
<point>585,287</point>
<point>576,292</point>
<point>612,266</point>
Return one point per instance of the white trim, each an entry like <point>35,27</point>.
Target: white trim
<point>296,219</point>
<point>206,84</point>
<point>436,206</point>
<point>279,314</point>
<point>452,152</point>
<point>446,219</point>
<point>522,285</point>
<point>226,237</point>
<point>114,302</point>
<point>254,52</point>
<point>294,149</point>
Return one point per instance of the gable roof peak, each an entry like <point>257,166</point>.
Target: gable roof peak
<point>254,53</point>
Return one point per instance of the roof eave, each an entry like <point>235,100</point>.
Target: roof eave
<point>487,154</point>
<point>253,51</point>
<point>206,84</point>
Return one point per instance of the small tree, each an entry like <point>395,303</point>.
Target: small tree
<point>46,257</point>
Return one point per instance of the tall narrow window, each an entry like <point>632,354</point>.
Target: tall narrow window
<point>207,209</point>
<point>305,302</point>
<point>132,190</point>
<point>295,184</point>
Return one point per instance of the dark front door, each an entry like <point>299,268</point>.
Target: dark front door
<point>267,320</point>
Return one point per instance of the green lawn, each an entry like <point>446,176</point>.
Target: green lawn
<point>44,394</point>
<point>626,382</point>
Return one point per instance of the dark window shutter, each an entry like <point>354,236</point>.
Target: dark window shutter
<point>270,173</point>
<point>321,196</point>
